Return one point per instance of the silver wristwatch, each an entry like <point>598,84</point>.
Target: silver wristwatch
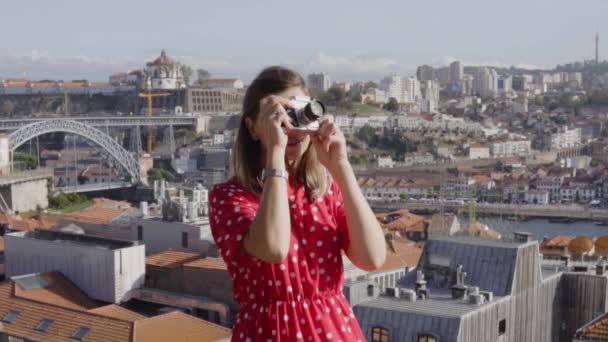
<point>274,173</point>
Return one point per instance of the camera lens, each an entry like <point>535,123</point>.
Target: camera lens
<point>314,110</point>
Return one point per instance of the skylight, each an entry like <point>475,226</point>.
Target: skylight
<point>10,317</point>
<point>44,325</point>
<point>80,333</point>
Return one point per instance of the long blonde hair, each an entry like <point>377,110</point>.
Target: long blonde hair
<point>247,152</point>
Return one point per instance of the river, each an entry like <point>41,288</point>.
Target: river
<point>540,227</point>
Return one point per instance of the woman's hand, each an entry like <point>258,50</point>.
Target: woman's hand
<point>330,145</point>
<point>270,122</point>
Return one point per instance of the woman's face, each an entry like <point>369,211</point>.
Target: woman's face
<point>296,144</point>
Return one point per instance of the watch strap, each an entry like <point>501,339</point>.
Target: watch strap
<point>274,173</point>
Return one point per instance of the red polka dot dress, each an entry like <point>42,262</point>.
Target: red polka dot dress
<point>299,299</point>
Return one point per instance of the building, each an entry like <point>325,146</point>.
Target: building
<point>443,225</point>
<point>485,82</point>
<point>504,84</point>
<point>552,185</point>
<point>430,100</point>
<point>533,196</point>
<point>385,162</point>
<point>511,148</point>
<point>599,150</point>
<point>203,281</point>
<point>555,247</point>
<point>222,83</point>
<point>319,83</point>
<point>105,269</point>
<point>164,73</point>
<point>225,100</point>
<point>425,73</point>
<point>393,86</point>
<point>470,289</point>
<point>563,137</point>
<point>456,71</point>
<point>411,89</point>
<point>49,307</point>
<point>479,152</point>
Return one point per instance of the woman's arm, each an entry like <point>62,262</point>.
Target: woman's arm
<point>270,233</point>
<point>367,248</point>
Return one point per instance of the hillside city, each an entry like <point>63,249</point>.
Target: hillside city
<point>490,184</point>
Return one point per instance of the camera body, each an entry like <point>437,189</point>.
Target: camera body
<point>305,113</point>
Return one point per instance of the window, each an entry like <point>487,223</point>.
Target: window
<point>80,333</point>
<point>427,338</point>
<point>502,327</point>
<point>10,317</point>
<point>380,334</point>
<point>140,232</point>
<point>185,239</point>
<point>44,325</point>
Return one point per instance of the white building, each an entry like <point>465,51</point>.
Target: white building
<point>218,139</point>
<point>485,83</point>
<point>552,185</point>
<point>385,162</point>
<point>565,137</point>
<point>105,269</point>
<point>411,88</point>
<point>505,84</point>
<point>533,196</point>
<point>393,86</point>
<point>417,158</point>
<point>222,83</point>
<point>164,73</point>
<point>511,148</point>
<point>319,83</point>
<point>479,152</point>
<point>430,102</point>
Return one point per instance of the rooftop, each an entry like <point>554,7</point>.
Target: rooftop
<point>76,239</point>
<point>171,259</point>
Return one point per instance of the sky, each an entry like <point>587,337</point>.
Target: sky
<point>349,40</point>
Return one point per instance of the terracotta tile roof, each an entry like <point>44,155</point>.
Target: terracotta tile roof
<point>163,59</point>
<point>441,223</point>
<point>557,241</point>
<point>400,254</point>
<point>171,259</point>
<point>66,320</point>
<point>107,324</point>
<point>596,330</point>
<point>190,328</point>
<point>60,291</point>
<point>119,312</point>
<point>208,263</point>
<point>403,220</point>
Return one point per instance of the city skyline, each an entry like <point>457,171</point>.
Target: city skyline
<point>238,40</point>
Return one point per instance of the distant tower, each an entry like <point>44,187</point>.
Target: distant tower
<point>597,48</point>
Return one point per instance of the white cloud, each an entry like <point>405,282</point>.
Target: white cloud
<point>356,67</point>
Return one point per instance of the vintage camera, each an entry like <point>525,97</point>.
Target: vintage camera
<point>305,113</point>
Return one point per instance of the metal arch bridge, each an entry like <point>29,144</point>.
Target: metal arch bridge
<point>37,128</point>
<point>108,121</point>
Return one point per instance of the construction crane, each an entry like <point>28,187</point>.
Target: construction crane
<point>149,95</point>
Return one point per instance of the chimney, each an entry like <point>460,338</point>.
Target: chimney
<point>420,282</point>
<point>391,292</point>
<point>144,208</point>
<point>487,295</point>
<point>459,289</point>
<point>522,237</point>
<point>408,295</point>
<point>600,268</point>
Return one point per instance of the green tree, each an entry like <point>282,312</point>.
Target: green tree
<point>8,107</point>
<point>30,162</point>
<point>186,72</point>
<point>158,174</point>
<point>392,105</point>
<point>202,75</point>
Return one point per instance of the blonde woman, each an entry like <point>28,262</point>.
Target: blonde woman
<point>282,222</point>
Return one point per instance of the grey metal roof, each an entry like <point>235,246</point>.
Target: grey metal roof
<point>439,304</point>
<point>489,264</point>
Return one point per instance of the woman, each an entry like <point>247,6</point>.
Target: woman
<point>282,235</point>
